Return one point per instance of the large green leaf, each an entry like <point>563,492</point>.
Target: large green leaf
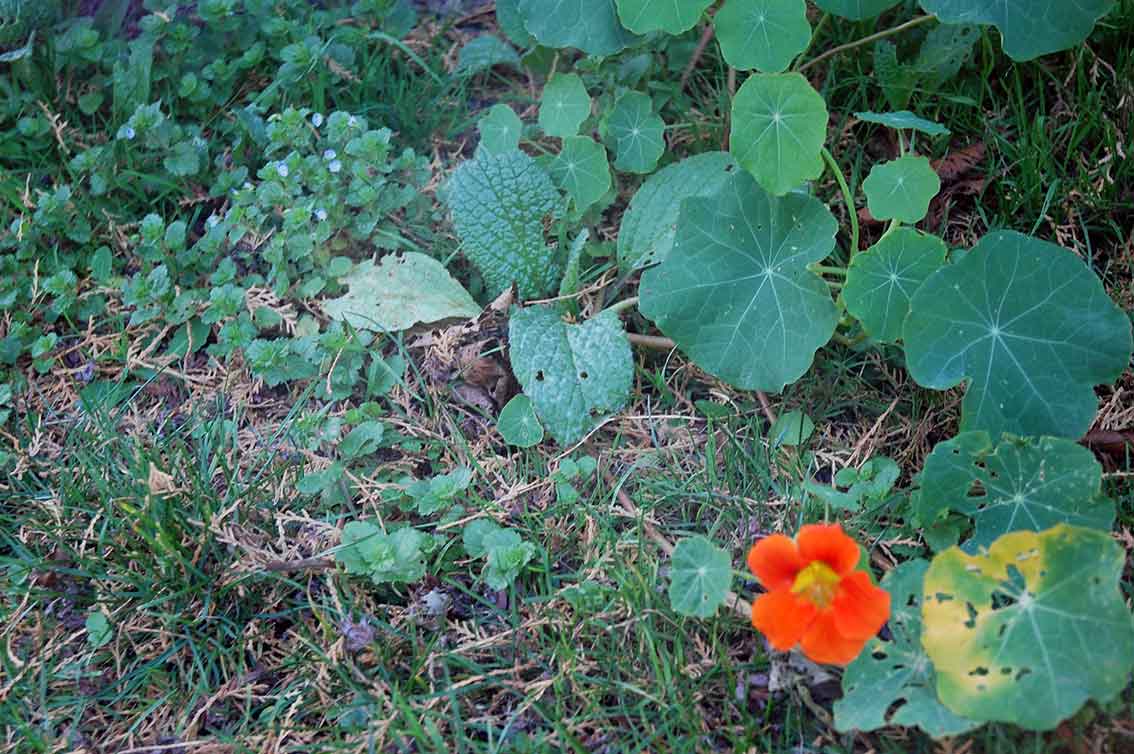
<point>881,280</point>
<point>700,575</point>
<point>1031,630</point>
<point>564,105</point>
<point>856,10</point>
<point>636,132</point>
<point>498,203</point>
<point>779,124</point>
<point>575,375</point>
<point>649,224</point>
<point>897,671</point>
<point>1028,325</point>
<point>581,170</point>
<point>762,34</point>
<point>670,16</point>
<point>735,292</point>
<point>1020,483</point>
<point>1030,28</point>
<point>590,25</point>
<point>901,189</point>
<point>400,291</point>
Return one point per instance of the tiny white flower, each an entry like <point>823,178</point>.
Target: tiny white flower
<point>212,221</point>
<point>128,132</point>
<point>335,166</point>
<point>352,121</point>
<point>282,170</point>
<point>247,186</point>
<point>317,120</point>
<point>321,214</point>
<point>329,154</point>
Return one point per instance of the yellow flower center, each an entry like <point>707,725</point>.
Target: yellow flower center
<point>817,583</point>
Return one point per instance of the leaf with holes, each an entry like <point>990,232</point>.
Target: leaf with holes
<point>1028,325</point>
<point>735,292</point>
<point>670,16</point>
<point>1018,483</point>
<point>400,291</point>
<point>1029,29</point>
<point>881,280</point>
<point>483,52</point>
<point>646,233</point>
<point>902,189</point>
<point>518,423</point>
<point>762,34</point>
<point>498,204</point>
<point>590,25</point>
<point>499,130</point>
<point>564,106</point>
<point>1031,630</point>
<point>856,10</point>
<point>700,575</point>
<point>575,375</point>
<point>892,682</point>
<point>636,132</point>
<point>779,124</point>
<point>581,170</point>
<point>904,119</point>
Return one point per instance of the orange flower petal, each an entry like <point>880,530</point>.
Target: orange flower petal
<point>860,607</point>
<point>782,617</point>
<point>823,643</point>
<point>775,561</point>
<point>828,543</point>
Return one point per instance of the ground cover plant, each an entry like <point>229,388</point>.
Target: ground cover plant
<point>597,375</point>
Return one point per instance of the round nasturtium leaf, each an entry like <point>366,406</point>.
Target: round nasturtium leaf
<point>762,34</point>
<point>1029,29</point>
<point>636,132</point>
<point>881,280</point>
<point>898,670</point>
<point>902,189</point>
<point>1031,630</point>
<point>856,10</point>
<point>791,428</point>
<point>581,170</point>
<point>589,25</point>
<point>564,106</point>
<point>904,119</point>
<point>700,575</point>
<point>779,124</point>
<point>1020,483</point>
<point>499,130</point>
<point>518,423</point>
<point>670,16</point>
<point>735,292</point>
<point>1028,325</point>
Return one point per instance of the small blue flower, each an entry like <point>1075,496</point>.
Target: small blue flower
<point>282,170</point>
<point>321,214</point>
<point>127,132</point>
<point>317,119</point>
<point>335,166</point>
<point>212,221</point>
<point>329,154</point>
<point>352,121</point>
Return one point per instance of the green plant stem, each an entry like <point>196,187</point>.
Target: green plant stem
<point>866,40</point>
<point>623,305</point>
<point>826,269</point>
<point>848,198</point>
<point>833,284</point>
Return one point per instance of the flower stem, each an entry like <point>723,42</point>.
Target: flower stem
<point>866,40</point>
<point>848,198</point>
<point>623,305</point>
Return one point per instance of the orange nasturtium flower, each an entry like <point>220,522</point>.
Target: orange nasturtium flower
<point>815,596</point>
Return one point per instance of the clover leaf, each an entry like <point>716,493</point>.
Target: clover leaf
<point>670,16</point>
<point>735,292</point>
<point>700,575</point>
<point>901,189</point>
<point>581,169</point>
<point>762,34</point>
<point>1028,325</point>
<point>636,132</point>
<point>564,106</point>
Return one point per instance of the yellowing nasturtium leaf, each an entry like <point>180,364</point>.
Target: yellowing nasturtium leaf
<point>762,34</point>
<point>700,575</point>
<point>898,670</point>
<point>902,189</point>
<point>856,10</point>
<point>1028,325</point>
<point>1031,630</point>
<point>881,280</point>
<point>735,292</point>
<point>1029,29</point>
<point>904,119</point>
<point>581,170</point>
<point>498,203</point>
<point>590,25</point>
<point>1020,483</point>
<point>575,375</point>
<point>499,130</point>
<point>400,291</point>
<point>564,106</point>
<point>779,124</point>
<point>636,132</point>
<point>670,16</point>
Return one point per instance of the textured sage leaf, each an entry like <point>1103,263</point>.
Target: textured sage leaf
<point>904,119</point>
<point>483,52</point>
<point>779,124</point>
<point>856,10</point>
<point>650,222</point>
<point>944,50</point>
<point>638,134</point>
<point>1029,29</point>
<point>700,575</point>
<point>897,671</point>
<point>1028,325</point>
<point>762,34</point>
<point>735,292</point>
<point>1031,630</point>
<point>498,204</point>
<point>575,374</point>
<point>898,80</point>
<point>1017,484</point>
<point>590,25</point>
<point>670,16</point>
<point>901,189</point>
<point>400,291</point>
<point>499,130</point>
<point>518,423</point>
<point>581,170</point>
<point>881,280</point>
<point>564,106</point>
